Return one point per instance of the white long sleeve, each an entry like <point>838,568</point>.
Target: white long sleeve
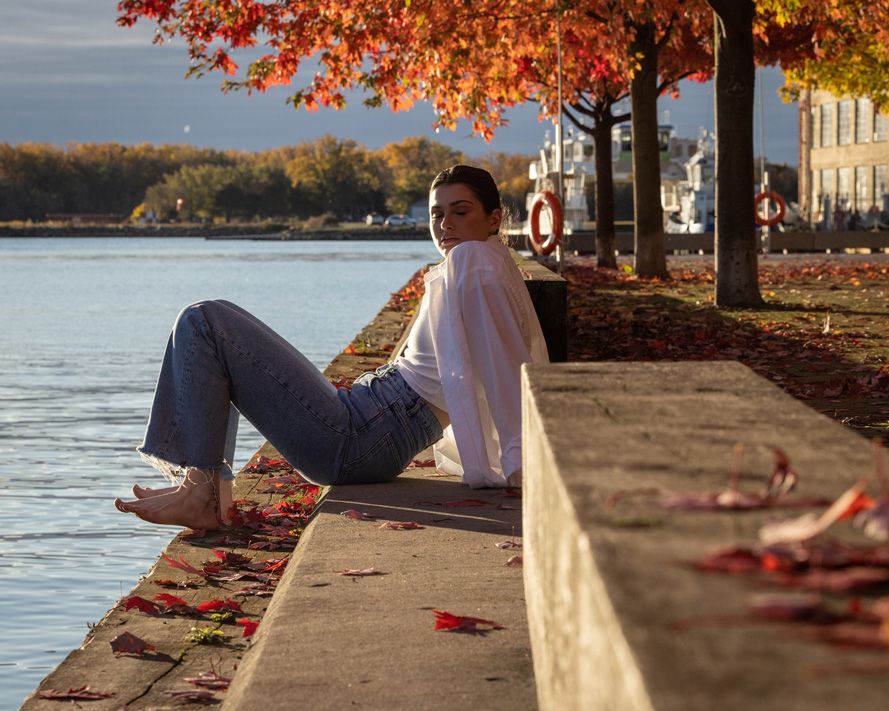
<point>484,327</point>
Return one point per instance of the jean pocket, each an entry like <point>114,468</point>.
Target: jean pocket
<point>380,463</point>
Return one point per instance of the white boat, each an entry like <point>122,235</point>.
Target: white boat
<point>578,161</point>
<point>695,201</point>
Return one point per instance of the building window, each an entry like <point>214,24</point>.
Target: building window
<point>844,123</point>
<point>815,125</point>
<point>881,172</point>
<point>863,113</point>
<point>844,176</point>
<point>862,195</point>
<point>826,125</point>
<point>881,127</point>
<point>815,205</point>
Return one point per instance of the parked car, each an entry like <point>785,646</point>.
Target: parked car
<point>400,221</point>
<point>373,219</point>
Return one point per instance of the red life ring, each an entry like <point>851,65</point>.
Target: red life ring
<point>545,199</point>
<point>779,201</point>
<point>873,210</point>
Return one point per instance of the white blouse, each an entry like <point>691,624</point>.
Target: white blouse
<point>483,327</point>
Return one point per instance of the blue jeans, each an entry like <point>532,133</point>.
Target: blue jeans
<point>221,360</point>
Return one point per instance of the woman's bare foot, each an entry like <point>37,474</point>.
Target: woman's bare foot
<point>146,492</point>
<point>201,501</point>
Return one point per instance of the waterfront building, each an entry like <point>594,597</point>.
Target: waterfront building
<point>843,162</point>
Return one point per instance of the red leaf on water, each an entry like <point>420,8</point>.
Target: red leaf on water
<point>127,643</point>
<point>447,621</point>
<point>249,626</point>
<point>81,694</point>
<point>399,525</point>
<point>140,603</point>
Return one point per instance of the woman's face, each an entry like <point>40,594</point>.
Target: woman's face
<point>456,215</point>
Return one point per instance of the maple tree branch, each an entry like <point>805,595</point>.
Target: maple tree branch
<point>603,19</point>
<point>665,84</point>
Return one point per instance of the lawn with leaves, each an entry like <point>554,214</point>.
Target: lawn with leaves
<point>822,335</point>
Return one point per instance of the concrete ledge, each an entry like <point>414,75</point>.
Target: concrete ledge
<point>335,642</point>
<point>605,585</point>
<point>549,294</point>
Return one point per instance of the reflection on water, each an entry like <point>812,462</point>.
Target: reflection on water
<point>83,323</point>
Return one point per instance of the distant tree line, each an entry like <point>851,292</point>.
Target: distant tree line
<point>332,177</point>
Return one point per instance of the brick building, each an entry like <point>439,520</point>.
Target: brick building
<point>843,161</point>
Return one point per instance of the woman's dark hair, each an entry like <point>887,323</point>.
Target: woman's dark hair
<point>480,181</point>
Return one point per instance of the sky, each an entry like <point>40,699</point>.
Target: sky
<point>68,73</point>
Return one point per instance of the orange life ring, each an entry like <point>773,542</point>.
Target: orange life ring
<point>545,199</point>
<point>779,201</point>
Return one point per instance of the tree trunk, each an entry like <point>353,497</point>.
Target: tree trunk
<point>737,277</point>
<point>651,260</point>
<point>605,241</point>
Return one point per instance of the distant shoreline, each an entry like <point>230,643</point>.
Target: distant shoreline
<point>220,232</point>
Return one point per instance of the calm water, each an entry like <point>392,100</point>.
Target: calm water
<point>83,323</point>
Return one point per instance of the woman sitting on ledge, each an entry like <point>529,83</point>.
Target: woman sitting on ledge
<point>456,385</point>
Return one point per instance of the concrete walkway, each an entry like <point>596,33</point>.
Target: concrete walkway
<point>334,642</point>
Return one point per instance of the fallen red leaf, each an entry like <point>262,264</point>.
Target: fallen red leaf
<point>81,694</point>
<point>249,626</point>
<point>176,583</point>
<point>196,694</point>
<point>127,643</point>
<point>140,603</point>
<point>358,516</point>
<point>210,680</point>
<point>357,573</point>
<point>228,604</point>
<point>423,463</point>
<point>172,603</point>
<point>447,621</point>
<point>399,525</point>
<point>182,565</point>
